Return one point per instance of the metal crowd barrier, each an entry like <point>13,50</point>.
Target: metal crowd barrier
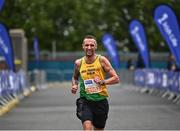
<point>41,77</point>
<point>13,88</point>
<point>44,76</point>
<point>167,83</point>
<point>126,76</point>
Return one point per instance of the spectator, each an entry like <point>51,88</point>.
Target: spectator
<point>140,63</point>
<point>171,64</point>
<point>130,65</point>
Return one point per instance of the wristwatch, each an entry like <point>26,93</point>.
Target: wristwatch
<point>102,82</point>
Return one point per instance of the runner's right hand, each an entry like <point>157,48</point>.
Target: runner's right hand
<point>74,89</point>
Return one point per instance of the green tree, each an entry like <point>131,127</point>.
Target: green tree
<point>66,22</point>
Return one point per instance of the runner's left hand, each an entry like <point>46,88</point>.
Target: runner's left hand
<point>98,81</point>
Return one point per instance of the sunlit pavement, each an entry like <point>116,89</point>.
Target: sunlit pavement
<point>54,108</point>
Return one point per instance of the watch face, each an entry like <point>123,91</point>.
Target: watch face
<point>102,82</point>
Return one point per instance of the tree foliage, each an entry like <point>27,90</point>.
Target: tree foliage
<point>66,22</point>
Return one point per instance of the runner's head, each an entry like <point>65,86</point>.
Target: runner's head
<point>89,45</point>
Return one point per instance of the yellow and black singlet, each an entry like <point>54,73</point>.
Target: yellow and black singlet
<point>88,88</point>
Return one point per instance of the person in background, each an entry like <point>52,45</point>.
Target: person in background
<point>171,64</point>
<point>130,65</point>
<point>140,63</point>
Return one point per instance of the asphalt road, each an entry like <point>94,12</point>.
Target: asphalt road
<point>54,108</point>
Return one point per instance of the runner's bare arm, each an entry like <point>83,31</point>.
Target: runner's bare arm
<point>76,72</point>
<point>113,77</point>
<point>75,76</point>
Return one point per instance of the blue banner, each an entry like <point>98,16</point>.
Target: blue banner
<point>167,23</point>
<point>36,49</point>
<point>1,4</point>
<point>110,45</point>
<point>137,32</point>
<point>6,48</point>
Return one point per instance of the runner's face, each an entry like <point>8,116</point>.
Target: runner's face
<point>89,47</point>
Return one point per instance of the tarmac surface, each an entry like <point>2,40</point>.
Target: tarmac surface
<point>54,108</point>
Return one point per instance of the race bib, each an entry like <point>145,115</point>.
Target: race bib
<point>91,87</point>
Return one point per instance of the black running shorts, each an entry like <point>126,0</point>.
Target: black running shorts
<point>95,111</point>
